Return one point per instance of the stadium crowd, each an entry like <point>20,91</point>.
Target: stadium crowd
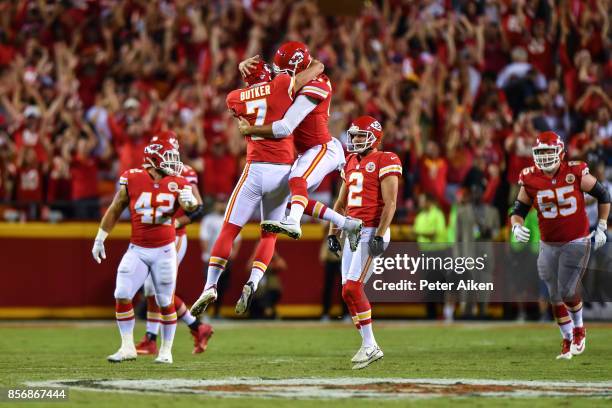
<point>461,87</point>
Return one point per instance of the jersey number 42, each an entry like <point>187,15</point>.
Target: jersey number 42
<point>158,214</point>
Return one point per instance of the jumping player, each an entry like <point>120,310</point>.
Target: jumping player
<point>153,194</point>
<point>556,189</point>
<point>318,152</point>
<point>263,183</point>
<point>200,332</point>
<point>368,192</point>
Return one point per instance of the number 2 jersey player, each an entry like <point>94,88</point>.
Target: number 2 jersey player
<point>555,187</point>
<point>264,180</point>
<point>368,192</point>
<point>153,194</point>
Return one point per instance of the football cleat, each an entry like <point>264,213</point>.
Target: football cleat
<point>126,353</point>
<point>201,337</point>
<point>360,356</point>
<point>566,353</point>
<point>352,227</point>
<point>371,354</point>
<point>146,346</point>
<point>579,341</point>
<point>207,297</point>
<point>286,226</point>
<point>246,297</point>
<point>164,357</point>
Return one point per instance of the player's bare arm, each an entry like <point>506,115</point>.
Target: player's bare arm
<point>315,69</point>
<point>388,188</point>
<point>590,185</point>
<point>110,218</point>
<point>333,244</point>
<point>284,127</point>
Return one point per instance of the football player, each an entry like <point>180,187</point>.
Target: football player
<point>318,152</point>
<point>368,192</point>
<point>555,187</point>
<point>263,183</point>
<point>200,332</point>
<point>153,194</point>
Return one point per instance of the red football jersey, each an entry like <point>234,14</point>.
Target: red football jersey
<point>153,206</point>
<point>263,104</point>
<point>560,202</point>
<point>313,130</point>
<point>363,178</point>
<point>192,177</point>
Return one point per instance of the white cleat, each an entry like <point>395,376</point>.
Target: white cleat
<point>360,356</point>
<point>352,227</point>
<point>245,298</point>
<point>372,354</point>
<point>123,354</point>
<point>207,297</point>
<point>164,357</point>
<point>286,226</point>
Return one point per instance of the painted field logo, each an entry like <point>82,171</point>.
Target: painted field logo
<point>341,388</point>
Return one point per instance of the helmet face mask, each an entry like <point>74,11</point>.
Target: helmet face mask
<point>548,151</point>
<point>163,157</point>
<point>359,147</point>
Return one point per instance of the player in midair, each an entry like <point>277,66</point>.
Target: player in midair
<point>153,194</point>
<point>368,192</point>
<point>263,183</point>
<point>307,120</point>
<point>200,332</point>
<point>556,188</point>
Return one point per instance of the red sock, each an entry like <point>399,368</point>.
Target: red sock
<point>168,314</point>
<point>348,299</point>
<point>153,313</point>
<point>563,319</point>
<point>223,245</point>
<point>180,307</point>
<point>299,191</point>
<point>265,248</point>
<point>315,209</point>
<point>124,311</point>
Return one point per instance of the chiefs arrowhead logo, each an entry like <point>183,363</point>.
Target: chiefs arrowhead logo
<point>297,57</point>
<point>376,126</point>
<point>153,148</point>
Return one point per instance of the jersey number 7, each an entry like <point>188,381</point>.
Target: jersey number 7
<point>258,107</point>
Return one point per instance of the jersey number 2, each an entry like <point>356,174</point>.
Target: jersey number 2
<point>258,107</point>
<point>154,215</point>
<point>557,202</point>
<point>355,187</point>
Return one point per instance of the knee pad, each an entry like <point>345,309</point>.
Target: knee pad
<point>123,291</point>
<point>163,300</point>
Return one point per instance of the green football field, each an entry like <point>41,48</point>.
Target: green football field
<point>306,364</point>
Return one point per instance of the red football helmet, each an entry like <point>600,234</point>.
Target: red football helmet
<point>259,73</point>
<point>548,151</point>
<point>368,127</point>
<point>167,135</point>
<point>162,155</point>
<point>292,57</point>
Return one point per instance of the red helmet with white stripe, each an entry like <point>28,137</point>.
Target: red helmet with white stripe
<point>365,126</point>
<point>162,155</point>
<point>548,151</point>
<point>167,135</point>
<point>292,57</point>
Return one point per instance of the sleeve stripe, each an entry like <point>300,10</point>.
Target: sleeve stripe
<point>314,90</point>
<point>123,180</point>
<point>395,168</point>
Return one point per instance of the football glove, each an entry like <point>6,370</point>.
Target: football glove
<point>599,235</point>
<point>521,233</point>
<point>376,246</point>
<point>334,245</point>
<point>186,196</point>
<point>98,250</point>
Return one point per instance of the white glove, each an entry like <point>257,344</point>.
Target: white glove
<point>186,196</point>
<point>599,234</point>
<point>521,233</point>
<point>98,250</point>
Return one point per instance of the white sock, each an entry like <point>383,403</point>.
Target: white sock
<point>256,275</point>
<point>361,333</point>
<point>168,331</point>
<point>188,318</point>
<point>214,273</point>
<point>577,316</point>
<point>322,212</point>
<point>126,329</point>
<point>153,322</point>
<point>448,311</point>
<point>296,212</point>
<point>566,330</point>
<point>368,335</point>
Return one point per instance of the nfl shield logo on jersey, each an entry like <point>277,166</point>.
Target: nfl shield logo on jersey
<point>172,186</point>
<point>370,167</point>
